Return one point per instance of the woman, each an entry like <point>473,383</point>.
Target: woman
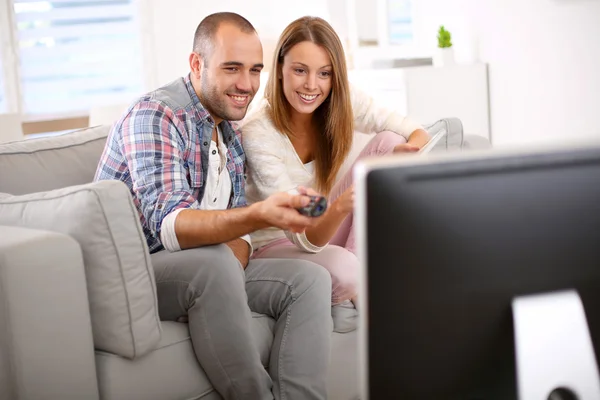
<point>300,137</point>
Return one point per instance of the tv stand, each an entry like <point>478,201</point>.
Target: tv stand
<point>555,358</point>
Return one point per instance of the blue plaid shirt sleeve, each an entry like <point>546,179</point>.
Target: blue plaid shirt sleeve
<point>153,147</point>
<point>239,165</point>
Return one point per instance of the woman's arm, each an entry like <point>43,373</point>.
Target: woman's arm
<point>321,233</point>
<point>267,171</point>
<point>370,117</point>
<point>419,138</point>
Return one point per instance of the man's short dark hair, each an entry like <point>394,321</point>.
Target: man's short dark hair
<point>205,32</point>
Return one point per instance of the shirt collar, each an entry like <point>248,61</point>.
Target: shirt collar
<point>203,114</point>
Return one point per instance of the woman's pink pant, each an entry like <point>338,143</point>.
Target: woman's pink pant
<point>339,257</point>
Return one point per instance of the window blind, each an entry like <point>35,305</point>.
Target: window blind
<point>400,22</point>
<point>3,107</point>
<point>75,54</point>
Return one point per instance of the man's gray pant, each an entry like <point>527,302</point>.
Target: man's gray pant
<point>209,286</point>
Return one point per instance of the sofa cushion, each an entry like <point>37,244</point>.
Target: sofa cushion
<point>120,279</point>
<point>37,165</point>
<point>171,371</point>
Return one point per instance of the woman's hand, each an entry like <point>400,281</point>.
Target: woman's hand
<point>406,148</point>
<point>345,203</point>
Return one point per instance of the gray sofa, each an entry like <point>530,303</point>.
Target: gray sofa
<point>78,314</point>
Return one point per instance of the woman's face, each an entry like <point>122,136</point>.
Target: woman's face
<point>306,77</point>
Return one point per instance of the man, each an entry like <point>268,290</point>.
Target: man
<point>184,163</point>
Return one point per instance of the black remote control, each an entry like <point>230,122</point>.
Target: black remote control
<point>316,207</point>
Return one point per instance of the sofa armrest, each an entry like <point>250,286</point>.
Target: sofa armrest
<point>476,142</point>
<point>454,133</point>
<point>46,346</point>
<point>121,289</point>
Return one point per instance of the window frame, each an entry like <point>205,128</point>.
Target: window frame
<point>386,19</point>
<point>10,59</point>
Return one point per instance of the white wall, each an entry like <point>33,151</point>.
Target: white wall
<point>543,55</point>
<point>172,25</point>
<point>366,11</point>
<point>544,62</point>
<point>544,69</point>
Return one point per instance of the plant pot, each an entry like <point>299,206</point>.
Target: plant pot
<point>443,57</point>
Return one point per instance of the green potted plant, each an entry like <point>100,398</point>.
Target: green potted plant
<point>445,52</point>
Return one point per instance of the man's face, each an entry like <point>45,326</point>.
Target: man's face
<point>231,77</point>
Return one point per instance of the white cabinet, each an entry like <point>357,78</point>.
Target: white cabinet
<point>429,93</point>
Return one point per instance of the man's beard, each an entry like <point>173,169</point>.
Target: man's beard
<point>217,104</point>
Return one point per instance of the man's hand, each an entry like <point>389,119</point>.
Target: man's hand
<point>307,191</point>
<point>241,251</point>
<point>196,228</point>
<point>280,210</point>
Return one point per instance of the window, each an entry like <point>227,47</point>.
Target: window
<point>74,54</point>
<point>3,107</point>
<point>400,22</point>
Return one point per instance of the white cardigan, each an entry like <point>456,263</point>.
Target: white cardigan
<point>274,166</point>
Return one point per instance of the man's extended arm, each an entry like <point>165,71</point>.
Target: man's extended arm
<point>154,154</point>
<point>195,228</point>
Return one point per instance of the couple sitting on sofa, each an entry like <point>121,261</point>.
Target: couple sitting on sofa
<point>184,163</point>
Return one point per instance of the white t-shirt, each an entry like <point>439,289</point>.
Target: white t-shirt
<point>217,193</point>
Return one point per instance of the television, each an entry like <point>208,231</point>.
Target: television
<point>480,274</point>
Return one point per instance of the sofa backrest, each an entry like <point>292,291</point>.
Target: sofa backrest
<point>37,165</point>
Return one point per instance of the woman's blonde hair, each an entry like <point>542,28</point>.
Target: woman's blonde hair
<point>334,116</point>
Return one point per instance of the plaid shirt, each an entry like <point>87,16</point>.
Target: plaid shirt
<point>159,149</point>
